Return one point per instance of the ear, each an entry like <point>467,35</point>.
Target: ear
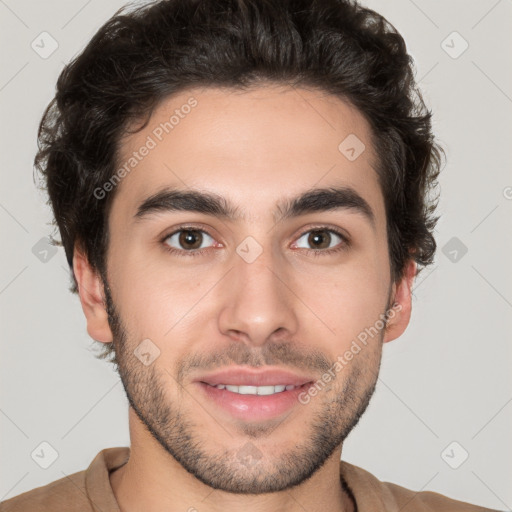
<point>401,308</point>
<point>90,289</point>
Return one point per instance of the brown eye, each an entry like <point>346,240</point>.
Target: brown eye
<point>187,239</point>
<point>319,239</point>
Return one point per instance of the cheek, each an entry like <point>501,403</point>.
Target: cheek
<point>137,291</point>
<point>348,306</point>
<point>349,298</point>
<point>155,300</point>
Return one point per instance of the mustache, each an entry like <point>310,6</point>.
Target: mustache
<point>287,354</point>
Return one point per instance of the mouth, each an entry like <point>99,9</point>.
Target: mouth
<point>250,406</point>
<point>246,377</point>
<point>256,390</point>
<point>253,396</point>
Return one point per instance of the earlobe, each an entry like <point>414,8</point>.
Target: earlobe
<point>90,289</point>
<point>400,312</point>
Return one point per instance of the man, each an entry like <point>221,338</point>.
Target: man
<point>241,189</point>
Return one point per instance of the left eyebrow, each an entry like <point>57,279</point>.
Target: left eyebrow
<point>325,199</point>
<point>172,199</point>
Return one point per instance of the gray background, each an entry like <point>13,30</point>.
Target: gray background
<point>446,379</point>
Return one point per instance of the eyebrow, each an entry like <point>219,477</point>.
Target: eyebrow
<point>312,201</point>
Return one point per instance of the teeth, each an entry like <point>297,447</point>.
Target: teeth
<point>255,390</point>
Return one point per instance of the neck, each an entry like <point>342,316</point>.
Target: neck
<point>152,480</point>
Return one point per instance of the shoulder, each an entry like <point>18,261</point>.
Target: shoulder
<point>372,494</point>
<point>428,501</point>
<point>84,491</point>
<point>67,493</point>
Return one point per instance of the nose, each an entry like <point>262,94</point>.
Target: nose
<point>258,303</point>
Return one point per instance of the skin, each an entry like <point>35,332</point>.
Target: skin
<point>289,309</point>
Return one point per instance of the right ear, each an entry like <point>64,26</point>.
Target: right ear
<point>90,289</point>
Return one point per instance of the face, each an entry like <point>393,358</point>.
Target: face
<point>245,237</point>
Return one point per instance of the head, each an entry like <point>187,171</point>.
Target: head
<point>243,183</point>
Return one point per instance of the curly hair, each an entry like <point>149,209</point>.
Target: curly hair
<point>143,54</point>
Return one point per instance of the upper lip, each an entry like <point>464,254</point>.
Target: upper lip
<point>237,376</point>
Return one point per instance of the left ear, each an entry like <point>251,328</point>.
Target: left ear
<point>400,313</point>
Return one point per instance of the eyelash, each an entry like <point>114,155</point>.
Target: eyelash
<point>345,244</point>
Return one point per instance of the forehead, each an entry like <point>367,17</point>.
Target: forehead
<point>254,147</point>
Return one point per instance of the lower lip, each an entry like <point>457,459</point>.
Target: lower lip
<point>254,407</point>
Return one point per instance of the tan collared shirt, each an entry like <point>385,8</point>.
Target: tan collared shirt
<point>90,491</point>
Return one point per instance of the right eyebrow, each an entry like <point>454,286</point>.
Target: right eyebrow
<point>174,199</point>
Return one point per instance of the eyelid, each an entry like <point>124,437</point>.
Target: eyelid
<point>327,227</point>
<point>187,227</point>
